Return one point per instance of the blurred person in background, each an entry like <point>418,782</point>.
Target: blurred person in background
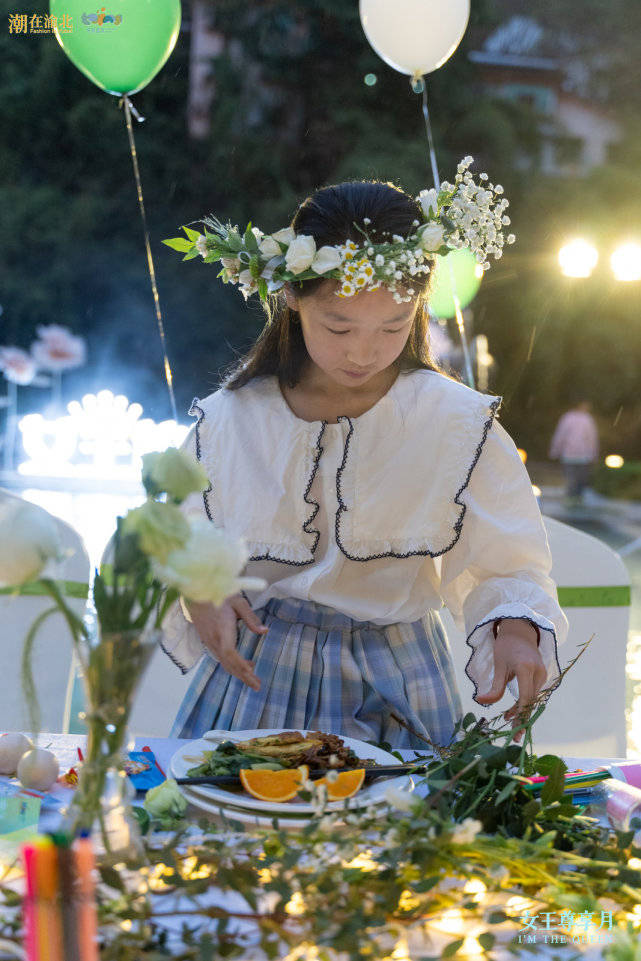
<point>575,443</point>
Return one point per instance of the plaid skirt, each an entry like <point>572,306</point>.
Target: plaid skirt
<point>322,670</point>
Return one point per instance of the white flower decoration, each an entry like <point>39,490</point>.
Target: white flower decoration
<point>269,247</point>
<point>58,349</point>
<point>428,199</point>
<point>327,258</point>
<point>466,831</point>
<point>432,236</point>
<point>17,365</point>
<point>284,236</point>
<point>300,253</point>
<point>28,539</point>
<point>207,568</point>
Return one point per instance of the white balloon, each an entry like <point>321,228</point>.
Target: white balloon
<point>414,36</point>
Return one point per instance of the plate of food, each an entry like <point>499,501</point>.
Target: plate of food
<point>221,756</point>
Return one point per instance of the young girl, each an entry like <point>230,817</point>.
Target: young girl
<point>370,488</point>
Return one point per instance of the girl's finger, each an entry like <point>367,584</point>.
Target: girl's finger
<point>249,616</point>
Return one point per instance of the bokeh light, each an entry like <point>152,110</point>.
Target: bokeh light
<point>626,262</point>
<point>578,258</point>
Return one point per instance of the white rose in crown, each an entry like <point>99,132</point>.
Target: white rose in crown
<point>300,254</point>
<point>28,539</point>
<point>327,258</point>
<point>269,247</point>
<point>432,237</point>
<point>207,568</point>
<point>231,264</point>
<point>428,199</point>
<point>284,236</point>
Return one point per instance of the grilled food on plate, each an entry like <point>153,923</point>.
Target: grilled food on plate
<point>289,749</point>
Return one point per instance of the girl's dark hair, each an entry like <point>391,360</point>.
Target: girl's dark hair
<point>329,215</point>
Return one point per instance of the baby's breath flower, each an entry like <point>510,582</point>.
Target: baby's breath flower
<point>466,831</point>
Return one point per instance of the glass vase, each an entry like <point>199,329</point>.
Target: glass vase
<point>112,670</point>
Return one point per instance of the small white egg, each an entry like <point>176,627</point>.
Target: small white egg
<point>12,747</point>
<point>38,769</point>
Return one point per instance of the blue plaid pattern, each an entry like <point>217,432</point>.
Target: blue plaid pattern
<point>322,670</point>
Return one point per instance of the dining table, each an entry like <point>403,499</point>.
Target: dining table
<point>66,746</point>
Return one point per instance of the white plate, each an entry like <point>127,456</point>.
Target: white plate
<point>255,818</point>
<point>242,814</point>
<point>372,792</point>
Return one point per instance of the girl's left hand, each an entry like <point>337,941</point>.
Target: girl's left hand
<point>516,655</point>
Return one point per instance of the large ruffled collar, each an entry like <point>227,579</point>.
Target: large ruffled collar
<point>400,485</point>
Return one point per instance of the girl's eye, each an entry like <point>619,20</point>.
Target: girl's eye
<point>345,331</point>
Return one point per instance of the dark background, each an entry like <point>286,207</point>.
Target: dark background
<point>290,113</point>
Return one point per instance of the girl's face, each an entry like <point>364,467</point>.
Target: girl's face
<point>353,339</point>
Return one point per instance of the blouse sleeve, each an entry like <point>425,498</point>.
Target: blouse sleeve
<point>180,640</point>
<point>500,565</point>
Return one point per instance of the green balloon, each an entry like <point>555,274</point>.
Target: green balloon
<point>466,279</point>
<point>120,46</point>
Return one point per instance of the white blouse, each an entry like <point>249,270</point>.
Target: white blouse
<point>420,502</point>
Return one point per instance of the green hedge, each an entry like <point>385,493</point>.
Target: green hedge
<point>622,482</point>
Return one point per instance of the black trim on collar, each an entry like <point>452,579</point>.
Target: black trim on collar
<point>540,626</point>
<point>195,407</point>
<point>312,503</point>
<point>265,557</point>
<point>174,659</point>
<point>458,526</point>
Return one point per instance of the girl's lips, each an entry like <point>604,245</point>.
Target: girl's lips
<point>353,373</point>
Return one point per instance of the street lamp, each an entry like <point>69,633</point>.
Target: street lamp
<point>578,258</point>
<point>626,262</point>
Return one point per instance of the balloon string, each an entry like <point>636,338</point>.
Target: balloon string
<point>420,86</point>
<point>129,109</point>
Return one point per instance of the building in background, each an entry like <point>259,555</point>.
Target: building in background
<point>524,62</point>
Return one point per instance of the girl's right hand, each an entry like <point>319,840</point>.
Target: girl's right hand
<point>218,630</point>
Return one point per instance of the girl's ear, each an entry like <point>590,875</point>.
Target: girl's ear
<point>290,297</point>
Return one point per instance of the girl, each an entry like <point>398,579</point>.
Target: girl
<point>370,489</point>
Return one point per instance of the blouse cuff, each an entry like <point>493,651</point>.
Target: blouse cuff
<point>480,666</point>
<point>180,640</point>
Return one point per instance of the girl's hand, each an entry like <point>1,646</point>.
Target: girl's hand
<point>516,655</point>
<point>218,630</point>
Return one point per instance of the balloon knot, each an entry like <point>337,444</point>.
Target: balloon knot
<point>126,99</point>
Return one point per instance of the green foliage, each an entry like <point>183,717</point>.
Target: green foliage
<point>291,112</point>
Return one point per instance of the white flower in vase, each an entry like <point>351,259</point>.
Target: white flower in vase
<point>207,568</point>
<point>28,540</point>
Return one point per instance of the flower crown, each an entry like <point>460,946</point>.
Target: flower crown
<point>462,214</point>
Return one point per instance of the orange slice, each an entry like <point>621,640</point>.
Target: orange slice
<point>273,785</point>
<point>346,784</point>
